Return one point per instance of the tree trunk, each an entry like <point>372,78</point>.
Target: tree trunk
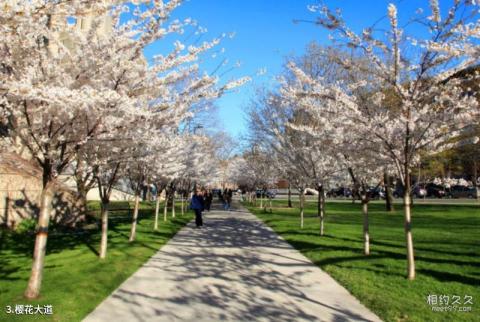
<point>270,203</point>
<point>173,204</point>
<point>475,173</point>
<point>82,199</point>
<point>289,196</point>
<point>35,281</point>
<point>408,228</point>
<point>183,205</point>
<point>84,182</point>
<point>366,234</point>
<point>265,205</point>
<point>388,192</point>
<point>157,208</point>
<point>321,208</point>
<point>319,201</point>
<point>104,239</point>
<point>165,207</point>
<point>261,200</point>
<point>302,205</point>
<point>148,196</point>
<point>133,231</point>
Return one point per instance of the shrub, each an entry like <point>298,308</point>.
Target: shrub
<point>26,226</point>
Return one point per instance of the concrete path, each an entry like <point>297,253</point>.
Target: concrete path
<point>234,269</point>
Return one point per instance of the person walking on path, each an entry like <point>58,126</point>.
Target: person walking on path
<point>221,196</point>
<point>197,204</point>
<point>229,198</point>
<point>208,200</point>
<point>230,195</point>
<point>226,200</point>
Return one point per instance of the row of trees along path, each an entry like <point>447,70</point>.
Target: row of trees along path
<point>77,92</point>
<point>368,106</point>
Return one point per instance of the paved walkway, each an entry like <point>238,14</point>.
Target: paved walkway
<point>234,269</point>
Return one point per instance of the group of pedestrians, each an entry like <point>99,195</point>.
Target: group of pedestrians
<point>226,198</point>
<point>201,200</point>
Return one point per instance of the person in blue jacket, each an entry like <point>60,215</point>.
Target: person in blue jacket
<point>198,204</point>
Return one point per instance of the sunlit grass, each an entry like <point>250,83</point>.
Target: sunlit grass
<point>447,250</point>
<point>75,280</point>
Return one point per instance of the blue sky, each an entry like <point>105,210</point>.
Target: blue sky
<point>265,34</point>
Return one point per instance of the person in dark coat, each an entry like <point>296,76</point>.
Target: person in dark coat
<point>221,197</point>
<point>226,201</point>
<point>208,200</point>
<point>197,204</point>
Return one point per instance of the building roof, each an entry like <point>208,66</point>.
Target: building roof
<point>11,163</point>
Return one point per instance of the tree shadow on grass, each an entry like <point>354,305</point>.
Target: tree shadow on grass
<point>21,246</point>
<point>378,270</point>
<point>398,244</point>
<point>309,247</point>
<point>6,272</point>
<point>449,277</point>
<point>91,246</point>
<point>335,259</point>
<point>14,245</point>
<point>459,259</point>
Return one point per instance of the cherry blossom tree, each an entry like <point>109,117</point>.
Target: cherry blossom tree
<point>255,169</point>
<point>200,159</point>
<point>432,106</point>
<point>279,121</point>
<point>351,153</point>
<point>366,171</point>
<point>244,176</point>
<point>62,86</point>
<point>167,166</point>
<point>45,106</point>
<point>105,162</point>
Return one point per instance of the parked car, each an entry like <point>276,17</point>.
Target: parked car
<point>435,190</point>
<point>270,193</point>
<point>418,191</point>
<point>464,192</point>
<point>311,192</point>
<point>376,193</point>
<point>331,193</point>
<point>340,192</point>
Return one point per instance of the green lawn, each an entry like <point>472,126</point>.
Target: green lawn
<point>75,280</point>
<point>447,249</point>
